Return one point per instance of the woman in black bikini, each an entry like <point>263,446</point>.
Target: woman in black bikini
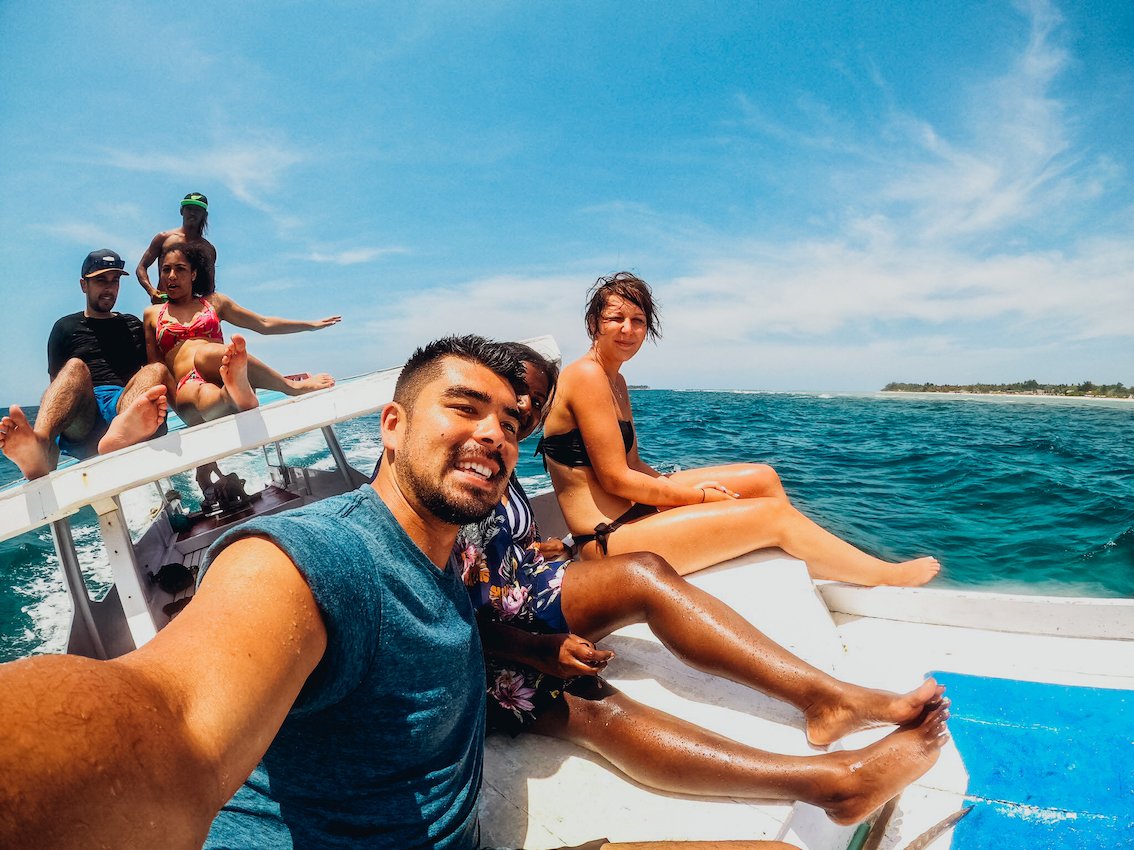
<point>539,617</point>
<point>614,502</point>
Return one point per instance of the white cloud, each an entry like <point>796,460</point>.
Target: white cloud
<point>352,256</point>
<point>250,169</point>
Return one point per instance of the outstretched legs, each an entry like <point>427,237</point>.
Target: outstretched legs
<point>69,408</point>
<point>665,752</point>
<point>207,361</point>
<point>210,401</point>
<point>142,408</point>
<point>35,454</point>
<point>696,536</point>
<point>599,597</point>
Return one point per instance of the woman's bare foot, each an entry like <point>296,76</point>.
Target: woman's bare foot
<point>34,455</point>
<point>912,573</point>
<point>310,384</point>
<point>234,374</point>
<point>856,708</point>
<point>137,422</point>
<point>865,779</point>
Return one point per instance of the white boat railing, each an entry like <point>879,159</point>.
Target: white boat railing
<point>98,480</point>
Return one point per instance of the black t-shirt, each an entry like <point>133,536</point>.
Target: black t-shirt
<point>114,349</point>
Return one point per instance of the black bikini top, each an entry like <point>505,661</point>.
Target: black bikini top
<point>569,450</point>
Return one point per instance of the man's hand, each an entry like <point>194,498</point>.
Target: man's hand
<point>568,655</point>
<point>552,549</point>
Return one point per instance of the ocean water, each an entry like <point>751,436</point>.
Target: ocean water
<point>1012,494</point>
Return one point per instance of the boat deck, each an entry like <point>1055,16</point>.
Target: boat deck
<point>536,788</point>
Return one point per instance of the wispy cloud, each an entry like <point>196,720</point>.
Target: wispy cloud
<point>928,249</point>
<point>250,169</point>
<point>352,256</point>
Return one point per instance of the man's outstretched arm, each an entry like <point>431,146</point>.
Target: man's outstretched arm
<point>142,751</point>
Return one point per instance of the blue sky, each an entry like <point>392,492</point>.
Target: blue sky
<point>825,196</point>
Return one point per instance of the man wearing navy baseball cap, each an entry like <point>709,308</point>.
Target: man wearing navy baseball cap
<point>103,395</point>
<point>194,223</point>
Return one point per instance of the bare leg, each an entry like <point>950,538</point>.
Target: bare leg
<point>754,481</point>
<point>208,401</point>
<point>197,402</point>
<point>68,407</point>
<point>207,361</point>
<point>601,596</point>
<point>234,374</point>
<point>694,845</point>
<point>750,480</point>
<point>692,537</point>
<point>670,754</point>
<point>142,408</point>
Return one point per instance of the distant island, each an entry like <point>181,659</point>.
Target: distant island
<point>637,387</point>
<point>1086,389</point>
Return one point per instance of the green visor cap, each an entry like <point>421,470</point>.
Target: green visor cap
<point>196,199</point>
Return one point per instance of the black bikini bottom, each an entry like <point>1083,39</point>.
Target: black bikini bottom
<point>604,529</point>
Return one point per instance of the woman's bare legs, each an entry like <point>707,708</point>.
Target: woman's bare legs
<point>689,845</point>
<point>209,401</point>
<point>207,362</point>
<point>750,480</point>
<point>693,537</point>
<point>599,597</point>
<point>665,752</point>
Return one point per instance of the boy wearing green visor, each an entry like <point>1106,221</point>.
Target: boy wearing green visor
<point>194,223</point>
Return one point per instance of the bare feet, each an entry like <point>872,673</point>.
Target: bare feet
<point>912,573</point>
<point>864,708</point>
<point>865,779</point>
<point>34,455</point>
<point>310,384</point>
<point>234,374</point>
<point>137,422</point>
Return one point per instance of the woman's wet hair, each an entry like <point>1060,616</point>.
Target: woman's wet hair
<point>203,283</point>
<point>628,287</point>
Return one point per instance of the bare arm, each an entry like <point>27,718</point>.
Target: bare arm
<point>562,655</point>
<point>242,317</point>
<point>143,751</point>
<point>148,259</point>
<point>149,324</point>
<point>589,401</point>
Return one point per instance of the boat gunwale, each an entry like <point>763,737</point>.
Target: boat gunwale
<point>62,493</point>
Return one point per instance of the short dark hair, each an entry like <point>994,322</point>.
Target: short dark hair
<point>628,287</point>
<point>203,283</point>
<point>527,354</point>
<point>425,363</point>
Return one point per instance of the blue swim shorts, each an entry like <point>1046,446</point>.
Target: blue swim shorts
<point>106,397</point>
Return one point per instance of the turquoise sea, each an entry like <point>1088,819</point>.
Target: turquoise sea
<point>1010,493</point>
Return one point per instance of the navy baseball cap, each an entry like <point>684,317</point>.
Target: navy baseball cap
<point>102,261</point>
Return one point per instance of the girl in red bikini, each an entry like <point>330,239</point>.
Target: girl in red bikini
<point>214,378</point>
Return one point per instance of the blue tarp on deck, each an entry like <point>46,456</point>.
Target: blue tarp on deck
<point>1051,767</point>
